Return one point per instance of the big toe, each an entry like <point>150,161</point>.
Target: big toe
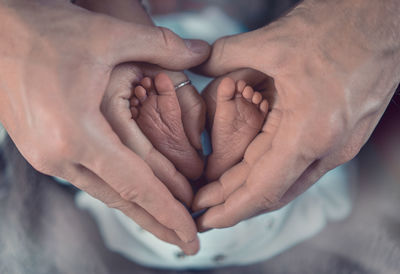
<point>164,84</point>
<point>226,90</point>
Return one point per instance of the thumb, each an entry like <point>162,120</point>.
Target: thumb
<point>253,49</point>
<point>155,45</point>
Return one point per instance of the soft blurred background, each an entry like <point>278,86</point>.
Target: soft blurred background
<point>42,231</point>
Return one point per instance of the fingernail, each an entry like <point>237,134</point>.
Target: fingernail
<point>185,238</point>
<point>191,249</point>
<point>197,46</point>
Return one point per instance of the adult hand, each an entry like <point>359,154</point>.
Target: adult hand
<point>190,101</point>
<point>56,60</point>
<point>335,66</point>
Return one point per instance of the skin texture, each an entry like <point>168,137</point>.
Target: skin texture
<point>155,108</point>
<point>240,114</point>
<point>335,67</point>
<point>50,95</point>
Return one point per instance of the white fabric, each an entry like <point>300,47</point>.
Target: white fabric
<point>250,241</point>
<point>3,133</point>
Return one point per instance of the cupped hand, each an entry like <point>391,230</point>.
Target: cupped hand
<point>334,77</point>
<point>56,60</point>
<point>190,101</point>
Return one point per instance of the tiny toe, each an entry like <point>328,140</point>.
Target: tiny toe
<point>257,98</point>
<point>226,90</point>
<point>240,85</point>
<point>264,106</point>
<point>134,112</point>
<point>135,102</point>
<point>147,83</point>
<point>140,93</point>
<point>248,93</point>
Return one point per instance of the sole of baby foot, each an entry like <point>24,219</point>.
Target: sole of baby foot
<point>239,117</point>
<point>158,115</point>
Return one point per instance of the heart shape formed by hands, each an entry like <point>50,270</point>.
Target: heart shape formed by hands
<point>163,125</point>
<point>333,74</point>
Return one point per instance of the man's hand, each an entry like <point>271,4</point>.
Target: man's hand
<point>335,65</point>
<point>56,60</point>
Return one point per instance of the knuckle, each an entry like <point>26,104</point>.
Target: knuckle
<point>132,194</point>
<point>328,133</point>
<point>60,145</point>
<point>168,38</point>
<point>113,105</point>
<point>349,151</point>
<point>120,204</point>
<point>268,201</point>
<point>218,50</point>
<point>45,159</point>
<point>39,161</point>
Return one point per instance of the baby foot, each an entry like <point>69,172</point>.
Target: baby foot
<point>239,116</point>
<point>193,108</point>
<point>155,108</point>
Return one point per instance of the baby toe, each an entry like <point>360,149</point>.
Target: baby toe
<point>141,93</point>
<point>240,85</point>
<point>134,112</point>
<point>264,107</point>
<point>257,98</point>
<point>135,102</point>
<point>248,93</point>
<point>147,83</point>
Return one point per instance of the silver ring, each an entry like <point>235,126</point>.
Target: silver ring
<point>181,85</point>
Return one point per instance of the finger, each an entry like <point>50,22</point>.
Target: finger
<point>168,174</point>
<point>241,205</point>
<point>267,183</point>
<point>133,179</point>
<point>215,193</point>
<point>248,50</point>
<point>115,109</point>
<point>155,45</point>
<point>163,169</point>
<point>269,179</point>
<point>97,188</point>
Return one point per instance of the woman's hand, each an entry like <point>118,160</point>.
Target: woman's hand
<point>190,101</point>
<point>56,60</point>
<point>335,65</point>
